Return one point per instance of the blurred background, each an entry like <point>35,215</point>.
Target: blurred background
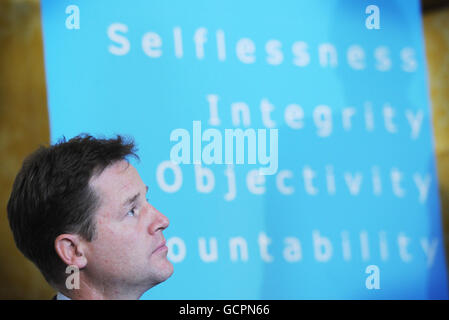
<point>24,123</point>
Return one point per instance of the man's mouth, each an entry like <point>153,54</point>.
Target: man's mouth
<point>161,247</point>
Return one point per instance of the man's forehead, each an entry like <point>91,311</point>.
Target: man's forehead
<point>118,177</point>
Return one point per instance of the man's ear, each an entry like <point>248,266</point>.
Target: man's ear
<point>69,248</point>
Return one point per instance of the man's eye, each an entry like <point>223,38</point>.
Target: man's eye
<point>131,212</point>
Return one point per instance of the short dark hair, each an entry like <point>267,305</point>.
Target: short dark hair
<point>51,196</point>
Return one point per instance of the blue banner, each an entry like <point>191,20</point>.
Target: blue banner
<point>329,190</point>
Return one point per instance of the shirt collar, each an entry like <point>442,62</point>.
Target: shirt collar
<point>60,296</point>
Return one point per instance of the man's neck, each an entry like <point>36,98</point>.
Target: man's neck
<point>87,291</point>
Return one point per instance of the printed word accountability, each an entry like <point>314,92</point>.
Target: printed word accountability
<point>380,246</point>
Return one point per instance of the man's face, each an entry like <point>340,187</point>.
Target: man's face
<point>129,248</point>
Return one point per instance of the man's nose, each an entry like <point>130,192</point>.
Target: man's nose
<point>159,222</point>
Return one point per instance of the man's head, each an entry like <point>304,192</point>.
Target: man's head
<point>80,202</point>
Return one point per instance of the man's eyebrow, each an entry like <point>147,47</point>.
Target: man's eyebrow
<point>133,199</point>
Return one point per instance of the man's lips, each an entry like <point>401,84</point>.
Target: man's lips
<point>161,247</point>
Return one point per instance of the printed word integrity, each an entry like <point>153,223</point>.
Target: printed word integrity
<point>322,117</point>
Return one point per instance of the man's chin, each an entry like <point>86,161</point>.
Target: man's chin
<point>169,271</point>
<point>164,273</point>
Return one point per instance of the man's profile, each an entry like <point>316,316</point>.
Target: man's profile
<point>80,203</point>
